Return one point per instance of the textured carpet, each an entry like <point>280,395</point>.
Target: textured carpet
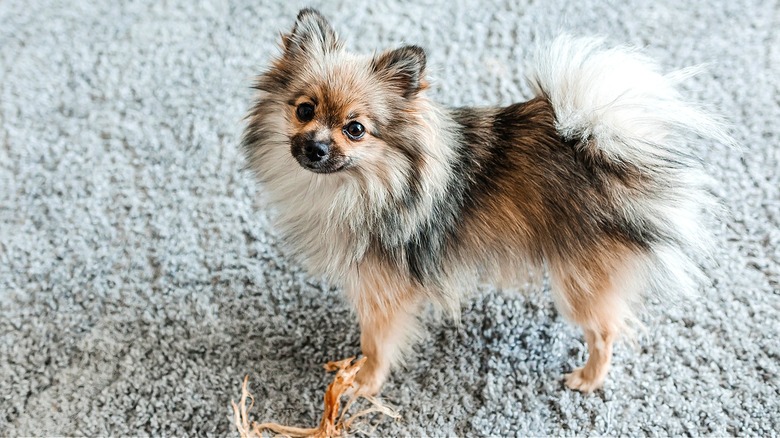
<point>140,280</point>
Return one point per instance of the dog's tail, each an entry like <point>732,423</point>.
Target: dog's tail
<point>621,112</point>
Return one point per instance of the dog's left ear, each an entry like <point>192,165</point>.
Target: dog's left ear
<point>312,34</point>
<point>403,68</point>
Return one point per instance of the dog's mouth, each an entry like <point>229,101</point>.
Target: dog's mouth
<point>332,165</point>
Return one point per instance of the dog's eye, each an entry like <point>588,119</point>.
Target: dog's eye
<point>354,130</point>
<point>305,112</point>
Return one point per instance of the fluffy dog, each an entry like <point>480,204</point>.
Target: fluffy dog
<point>405,202</point>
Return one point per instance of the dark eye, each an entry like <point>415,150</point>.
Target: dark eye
<point>305,112</point>
<point>354,130</point>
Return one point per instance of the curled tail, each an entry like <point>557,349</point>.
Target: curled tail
<point>617,107</point>
<point>619,103</point>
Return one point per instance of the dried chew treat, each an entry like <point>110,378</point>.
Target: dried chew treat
<point>332,424</point>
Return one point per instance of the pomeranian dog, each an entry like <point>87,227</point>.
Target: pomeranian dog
<point>404,202</point>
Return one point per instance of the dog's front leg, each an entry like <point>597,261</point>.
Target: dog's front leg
<point>387,313</point>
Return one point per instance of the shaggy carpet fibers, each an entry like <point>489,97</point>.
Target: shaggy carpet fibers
<point>140,278</point>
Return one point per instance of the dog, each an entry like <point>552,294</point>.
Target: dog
<point>404,202</point>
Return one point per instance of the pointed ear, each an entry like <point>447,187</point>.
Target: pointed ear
<point>311,34</point>
<point>403,68</point>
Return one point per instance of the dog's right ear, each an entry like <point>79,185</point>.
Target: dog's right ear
<point>312,34</point>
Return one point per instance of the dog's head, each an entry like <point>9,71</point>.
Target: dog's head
<point>340,110</point>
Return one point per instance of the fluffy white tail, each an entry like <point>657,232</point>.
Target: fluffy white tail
<point>617,100</point>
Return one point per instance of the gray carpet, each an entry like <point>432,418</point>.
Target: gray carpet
<point>140,280</point>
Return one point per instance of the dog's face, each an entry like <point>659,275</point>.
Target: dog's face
<point>329,124</point>
<point>342,111</point>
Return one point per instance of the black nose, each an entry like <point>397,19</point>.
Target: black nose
<point>316,151</point>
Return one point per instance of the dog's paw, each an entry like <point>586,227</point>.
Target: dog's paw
<point>368,386</point>
<point>369,380</point>
<point>580,381</point>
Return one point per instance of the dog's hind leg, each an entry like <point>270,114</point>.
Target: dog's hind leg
<point>595,295</point>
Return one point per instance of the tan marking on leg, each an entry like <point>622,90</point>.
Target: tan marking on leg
<point>592,375</point>
<point>387,308</point>
<point>598,295</point>
<point>382,340</point>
